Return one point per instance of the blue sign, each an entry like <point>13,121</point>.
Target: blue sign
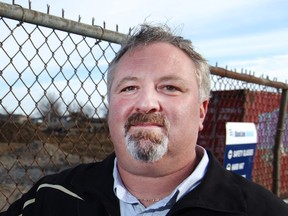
<point>241,139</point>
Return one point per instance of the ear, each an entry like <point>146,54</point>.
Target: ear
<point>203,111</point>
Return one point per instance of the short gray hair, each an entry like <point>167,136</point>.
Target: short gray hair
<point>147,34</point>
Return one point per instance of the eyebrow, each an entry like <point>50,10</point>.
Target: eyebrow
<point>126,79</point>
<point>173,78</point>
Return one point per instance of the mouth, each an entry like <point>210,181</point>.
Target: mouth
<point>146,124</point>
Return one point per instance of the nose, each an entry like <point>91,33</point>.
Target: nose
<point>147,101</point>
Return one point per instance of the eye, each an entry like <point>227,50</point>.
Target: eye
<point>129,89</point>
<point>171,88</point>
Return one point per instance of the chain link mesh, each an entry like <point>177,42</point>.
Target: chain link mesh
<point>52,103</point>
<point>53,108</point>
<point>237,101</point>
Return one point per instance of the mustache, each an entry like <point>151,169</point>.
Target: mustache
<point>154,118</point>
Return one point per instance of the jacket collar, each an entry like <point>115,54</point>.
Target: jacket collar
<point>218,191</point>
<point>96,180</point>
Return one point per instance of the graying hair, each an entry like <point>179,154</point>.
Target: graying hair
<point>147,34</point>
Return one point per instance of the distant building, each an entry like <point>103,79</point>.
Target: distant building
<point>17,118</point>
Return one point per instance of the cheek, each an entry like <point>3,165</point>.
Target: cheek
<point>187,118</point>
<point>118,113</point>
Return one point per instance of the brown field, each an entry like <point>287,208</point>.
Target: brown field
<point>28,153</point>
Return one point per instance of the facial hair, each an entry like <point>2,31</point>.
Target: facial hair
<point>146,145</point>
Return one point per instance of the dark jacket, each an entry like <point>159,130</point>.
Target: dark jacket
<point>88,190</point>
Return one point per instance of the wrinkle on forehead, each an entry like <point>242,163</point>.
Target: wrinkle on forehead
<point>141,53</point>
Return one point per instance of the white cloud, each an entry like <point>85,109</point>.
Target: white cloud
<point>129,13</point>
<point>77,92</point>
<point>273,67</point>
<point>263,43</point>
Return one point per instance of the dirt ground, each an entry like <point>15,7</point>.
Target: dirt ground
<point>27,154</point>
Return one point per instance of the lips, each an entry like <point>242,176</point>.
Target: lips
<point>146,124</point>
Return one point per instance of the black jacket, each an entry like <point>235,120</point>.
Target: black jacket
<point>88,190</point>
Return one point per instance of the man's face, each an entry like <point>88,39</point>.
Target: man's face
<point>154,108</point>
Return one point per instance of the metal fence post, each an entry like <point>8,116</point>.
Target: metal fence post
<point>278,144</point>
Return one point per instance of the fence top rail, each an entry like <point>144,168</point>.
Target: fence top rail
<point>21,14</point>
<point>247,78</point>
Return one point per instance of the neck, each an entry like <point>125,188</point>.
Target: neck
<point>147,188</point>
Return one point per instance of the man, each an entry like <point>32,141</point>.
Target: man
<point>158,89</point>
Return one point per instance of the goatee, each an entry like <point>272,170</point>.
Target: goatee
<point>145,145</point>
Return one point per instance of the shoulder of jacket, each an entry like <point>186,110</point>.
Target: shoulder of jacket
<point>67,175</point>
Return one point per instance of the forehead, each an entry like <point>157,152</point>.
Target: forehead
<point>154,58</point>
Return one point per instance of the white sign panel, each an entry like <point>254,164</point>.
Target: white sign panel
<point>241,139</point>
<point>240,133</point>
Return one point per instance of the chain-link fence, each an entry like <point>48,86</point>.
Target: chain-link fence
<point>53,102</point>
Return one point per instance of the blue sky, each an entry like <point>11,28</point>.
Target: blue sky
<point>240,34</point>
